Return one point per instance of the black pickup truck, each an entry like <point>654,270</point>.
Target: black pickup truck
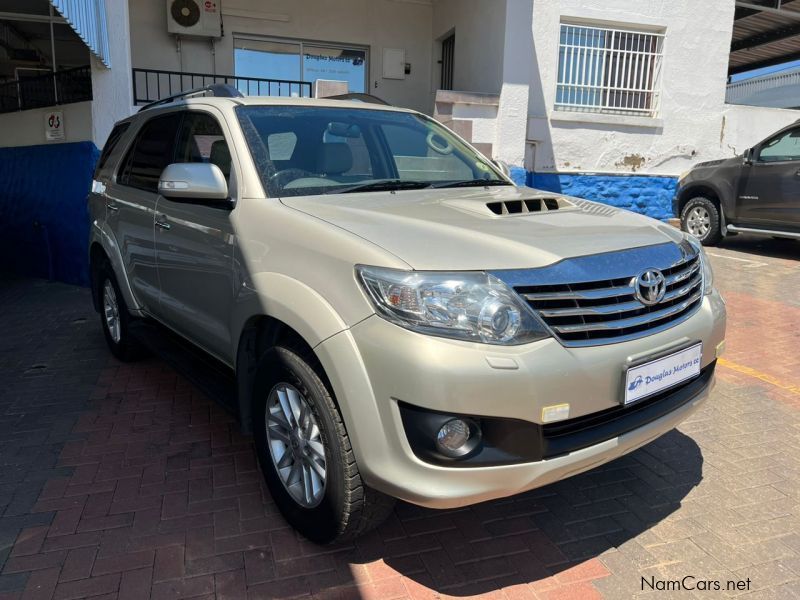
<point>757,192</point>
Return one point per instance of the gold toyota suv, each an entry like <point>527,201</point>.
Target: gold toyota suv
<point>395,318</point>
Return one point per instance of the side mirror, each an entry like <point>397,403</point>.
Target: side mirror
<point>193,181</point>
<point>748,156</point>
<point>503,166</point>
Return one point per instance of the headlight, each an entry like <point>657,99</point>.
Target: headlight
<point>470,306</point>
<point>708,274</point>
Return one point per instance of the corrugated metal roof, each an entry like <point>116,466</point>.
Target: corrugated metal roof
<point>88,19</point>
<point>762,39</point>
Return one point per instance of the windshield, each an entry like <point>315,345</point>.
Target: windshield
<point>300,150</point>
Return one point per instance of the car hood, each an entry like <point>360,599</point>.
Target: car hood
<point>456,229</point>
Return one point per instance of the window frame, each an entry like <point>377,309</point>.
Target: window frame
<point>112,144</point>
<point>781,135</point>
<point>119,175</point>
<point>220,123</point>
<point>605,79</point>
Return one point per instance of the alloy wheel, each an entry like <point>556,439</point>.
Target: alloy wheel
<point>295,445</point>
<point>111,311</point>
<point>698,221</point>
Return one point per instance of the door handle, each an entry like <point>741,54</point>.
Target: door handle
<point>112,207</point>
<point>163,225</point>
<point>797,172</point>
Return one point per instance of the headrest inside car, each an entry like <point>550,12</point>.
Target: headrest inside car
<point>334,158</point>
<point>221,156</point>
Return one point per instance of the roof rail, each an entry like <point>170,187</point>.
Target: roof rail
<point>217,90</point>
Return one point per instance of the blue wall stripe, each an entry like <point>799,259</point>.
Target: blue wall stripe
<point>44,214</point>
<point>650,195</point>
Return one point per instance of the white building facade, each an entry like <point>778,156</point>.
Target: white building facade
<point>605,99</point>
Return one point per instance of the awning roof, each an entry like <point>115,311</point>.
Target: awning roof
<point>765,33</point>
<point>88,19</point>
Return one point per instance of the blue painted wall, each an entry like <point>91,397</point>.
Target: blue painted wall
<point>646,194</point>
<point>44,217</point>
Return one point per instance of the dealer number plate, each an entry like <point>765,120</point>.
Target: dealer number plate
<point>658,375</point>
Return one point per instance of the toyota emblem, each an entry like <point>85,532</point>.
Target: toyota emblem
<point>650,287</point>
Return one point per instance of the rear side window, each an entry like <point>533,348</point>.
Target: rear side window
<point>201,140</point>
<point>150,153</point>
<point>111,143</point>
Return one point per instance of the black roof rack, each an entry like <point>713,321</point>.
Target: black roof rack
<point>218,90</point>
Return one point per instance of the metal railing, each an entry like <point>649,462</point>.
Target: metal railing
<point>738,92</point>
<point>606,70</point>
<point>151,85</point>
<point>61,87</point>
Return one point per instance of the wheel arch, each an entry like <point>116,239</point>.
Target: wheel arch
<point>102,239</point>
<point>699,189</point>
<point>97,256</point>
<point>261,333</point>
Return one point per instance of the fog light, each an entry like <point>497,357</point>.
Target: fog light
<point>453,438</point>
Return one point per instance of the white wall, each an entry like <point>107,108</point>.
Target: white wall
<point>479,26</point>
<point>112,89</point>
<point>689,125</point>
<point>374,23</point>
<point>27,128</point>
<point>744,126</point>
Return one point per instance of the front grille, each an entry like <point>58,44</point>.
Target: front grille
<point>607,311</point>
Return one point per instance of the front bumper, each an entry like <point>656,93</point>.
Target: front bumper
<point>375,366</point>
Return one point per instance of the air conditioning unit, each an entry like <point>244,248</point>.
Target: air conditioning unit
<point>198,18</point>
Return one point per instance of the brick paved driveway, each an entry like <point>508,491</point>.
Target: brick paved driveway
<point>123,481</point>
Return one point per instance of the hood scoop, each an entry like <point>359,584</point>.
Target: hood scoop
<point>508,208</point>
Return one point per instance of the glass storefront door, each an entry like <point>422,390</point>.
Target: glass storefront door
<point>297,61</point>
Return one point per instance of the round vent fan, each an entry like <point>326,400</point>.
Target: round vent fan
<point>186,13</point>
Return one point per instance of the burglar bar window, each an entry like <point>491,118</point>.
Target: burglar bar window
<point>609,70</point>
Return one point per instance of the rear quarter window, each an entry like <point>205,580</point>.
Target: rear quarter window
<point>111,143</point>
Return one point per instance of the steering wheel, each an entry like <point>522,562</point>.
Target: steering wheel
<point>439,144</point>
<point>281,178</point>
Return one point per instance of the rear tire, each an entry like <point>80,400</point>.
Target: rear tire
<point>115,319</point>
<point>700,217</point>
<point>299,435</point>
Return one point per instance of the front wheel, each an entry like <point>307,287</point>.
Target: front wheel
<point>305,452</point>
<point>700,217</point>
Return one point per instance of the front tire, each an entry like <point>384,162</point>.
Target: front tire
<point>115,319</point>
<point>701,218</point>
<point>305,452</point>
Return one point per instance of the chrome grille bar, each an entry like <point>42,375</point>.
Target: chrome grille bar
<point>582,309</point>
<point>683,275</point>
<point>598,294</point>
<point>632,321</point>
<point>613,309</point>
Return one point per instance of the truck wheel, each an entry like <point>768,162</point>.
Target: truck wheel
<point>115,318</point>
<point>700,217</point>
<point>305,453</point>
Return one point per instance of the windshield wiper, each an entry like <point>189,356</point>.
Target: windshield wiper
<point>386,185</point>
<point>470,183</point>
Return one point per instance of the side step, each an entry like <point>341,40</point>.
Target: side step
<point>215,379</point>
<point>783,234</point>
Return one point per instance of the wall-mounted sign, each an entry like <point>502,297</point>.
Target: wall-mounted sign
<point>54,126</point>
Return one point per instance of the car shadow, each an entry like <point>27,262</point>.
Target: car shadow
<point>763,246</point>
<point>532,536</point>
